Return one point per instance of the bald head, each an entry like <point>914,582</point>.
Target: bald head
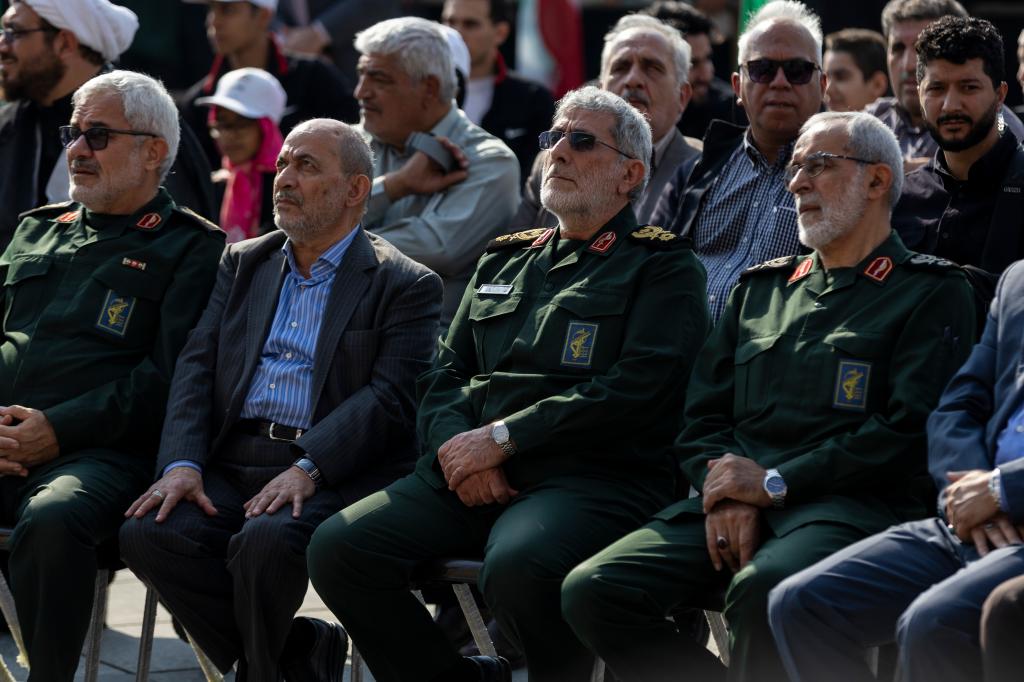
<point>351,149</point>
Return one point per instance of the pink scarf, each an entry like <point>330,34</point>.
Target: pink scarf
<point>240,212</point>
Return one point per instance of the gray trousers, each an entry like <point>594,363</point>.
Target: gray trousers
<point>915,584</point>
<point>234,583</point>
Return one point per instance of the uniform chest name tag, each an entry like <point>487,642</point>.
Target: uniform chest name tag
<point>579,344</point>
<point>851,390</point>
<point>499,289</point>
<point>116,313</point>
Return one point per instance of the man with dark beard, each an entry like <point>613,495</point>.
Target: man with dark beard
<point>49,48</point>
<point>293,398</point>
<point>805,421</point>
<point>967,204</point>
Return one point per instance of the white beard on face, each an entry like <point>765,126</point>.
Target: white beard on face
<point>588,196</point>
<point>833,221</point>
<point>316,217</point>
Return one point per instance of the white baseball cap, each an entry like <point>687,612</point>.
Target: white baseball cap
<point>269,4</point>
<point>458,49</point>
<point>249,92</point>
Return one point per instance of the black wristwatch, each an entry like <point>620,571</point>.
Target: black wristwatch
<point>311,469</point>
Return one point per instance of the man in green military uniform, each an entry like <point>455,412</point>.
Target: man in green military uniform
<point>98,296</point>
<point>805,421</point>
<point>547,419</point>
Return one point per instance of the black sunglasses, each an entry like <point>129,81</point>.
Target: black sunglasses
<point>97,138</point>
<point>578,141</point>
<point>797,71</point>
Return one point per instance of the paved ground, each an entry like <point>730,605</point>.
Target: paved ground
<point>172,660</point>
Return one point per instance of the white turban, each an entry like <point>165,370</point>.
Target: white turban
<point>99,24</point>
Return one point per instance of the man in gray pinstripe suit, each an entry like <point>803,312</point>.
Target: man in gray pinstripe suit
<point>284,409</point>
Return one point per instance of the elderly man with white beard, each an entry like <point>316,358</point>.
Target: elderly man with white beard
<point>805,420</point>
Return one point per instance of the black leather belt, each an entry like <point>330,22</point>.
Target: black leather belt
<point>272,430</point>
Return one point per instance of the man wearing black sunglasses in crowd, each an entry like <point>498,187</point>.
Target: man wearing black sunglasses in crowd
<point>49,48</point>
<point>98,296</point>
<point>545,420</point>
<point>733,204</point>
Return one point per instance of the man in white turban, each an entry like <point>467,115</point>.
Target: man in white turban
<point>48,49</point>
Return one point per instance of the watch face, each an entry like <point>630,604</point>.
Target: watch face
<point>775,485</point>
<point>500,433</point>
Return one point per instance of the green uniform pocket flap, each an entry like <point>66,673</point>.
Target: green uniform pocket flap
<point>130,282</point>
<point>24,268</point>
<point>483,307</point>
<point>751,348</point>
<point>589,303</point>
<point>857,344</point>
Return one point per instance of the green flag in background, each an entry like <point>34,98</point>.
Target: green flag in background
<point>747,9</point>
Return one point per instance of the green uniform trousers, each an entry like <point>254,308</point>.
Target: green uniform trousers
<point>360,562</point>
<point>618,601</point>
<point>61,512</point>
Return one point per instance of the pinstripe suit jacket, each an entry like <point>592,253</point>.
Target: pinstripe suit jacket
<point>377,335</point>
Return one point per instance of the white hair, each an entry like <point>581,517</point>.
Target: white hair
<point>631,131</point>
<point>419,46</point>
<point>781,11</point>
<point>147,107</point>
<point>640,22</point>
<point>868,138</point>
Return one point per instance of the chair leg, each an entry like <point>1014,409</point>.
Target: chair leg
<point>11,616</point>
<point>597,675</point>
<point>476,623</point>
<point>95,636</point>
<point>357,666</point>
<point>720,633</point>
<point>210,671</point>
<point>146,637</point>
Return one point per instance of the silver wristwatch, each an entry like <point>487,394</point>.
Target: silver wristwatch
<point>501,436</point>
<point>311,469</point>
<point>775,487</point>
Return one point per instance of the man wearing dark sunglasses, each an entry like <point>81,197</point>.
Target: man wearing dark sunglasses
<point>99,294</point>
<point>564,336</point>
<point>805,421</point>
<point>646,62</point>
<point>47,51</point>
<point>733,203</point>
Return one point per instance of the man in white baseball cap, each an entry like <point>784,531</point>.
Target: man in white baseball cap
<point>239,33</point>
<point>48,49</point>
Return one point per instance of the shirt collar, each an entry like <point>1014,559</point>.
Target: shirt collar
<point>758,159</point>
<point>328,261</point>
<point>988,171</point>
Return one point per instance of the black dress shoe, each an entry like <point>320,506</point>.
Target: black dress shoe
<point>492,668</point>
<point>326,653</point>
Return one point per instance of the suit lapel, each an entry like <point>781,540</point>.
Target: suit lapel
<point>264,292</point>
<point>350,282</point>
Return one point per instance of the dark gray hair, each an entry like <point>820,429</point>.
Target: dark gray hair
<point>868,138</point>
<point>631,132</point>
<point>898,11</point>
<point>640,22</point>
<point>146,104</point>
<point>419,46</point>
<point>788,11</point>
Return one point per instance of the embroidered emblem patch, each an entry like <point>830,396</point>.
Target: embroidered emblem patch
<point>116,313</point>
<point>579,344</point>
<point>602,243</point>
<point>851,391</point>
<point>879,269</point>
<point>801,270</point>
<point>149,221</point>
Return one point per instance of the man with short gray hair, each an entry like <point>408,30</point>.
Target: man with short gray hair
<point>98,296</point>
<point>283,410</point>
<point>544,421</point>
<point>441,195</point>
<point>646,62</point>
<point>804,421</point>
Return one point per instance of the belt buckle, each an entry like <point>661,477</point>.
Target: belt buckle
<point>270,434</point>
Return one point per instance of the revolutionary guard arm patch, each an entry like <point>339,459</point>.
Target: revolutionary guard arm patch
<point>657,237</point>
<point>525,237</point>
<point>578,350</point>
<point>851,389</point>
<point>116,313</point>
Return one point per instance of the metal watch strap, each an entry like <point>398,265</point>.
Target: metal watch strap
<point>310,468</point>
<point>995,488</point>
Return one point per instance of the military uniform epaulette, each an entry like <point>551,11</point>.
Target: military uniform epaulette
<point>507,241</point>
<point>61,206</point>
<point>193,216</point>
<point>657,237</point>
<point>924,261</point>
<point>775,264</point>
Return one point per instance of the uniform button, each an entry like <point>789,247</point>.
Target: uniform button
<point>295,324</point>
<point>817,304</point>
<point>273,385</point>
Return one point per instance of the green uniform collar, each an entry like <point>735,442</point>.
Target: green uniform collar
<point>150,218</point>
<point>875,267</point>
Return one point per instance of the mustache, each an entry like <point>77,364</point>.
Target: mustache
<point>285,195</point>
<point>87,165</point>
<point>954,118</point>
<point>635,94</point>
